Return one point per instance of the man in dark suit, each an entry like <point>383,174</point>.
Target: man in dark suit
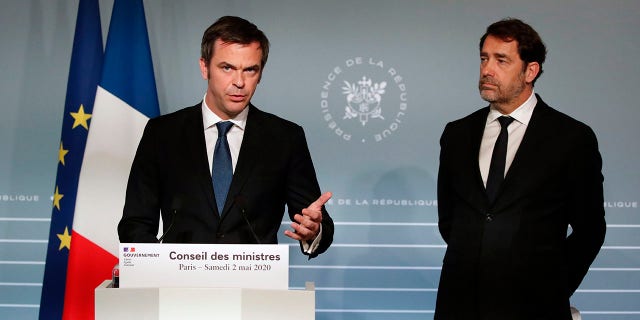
<point>507,197</point>
<point>237,195</point>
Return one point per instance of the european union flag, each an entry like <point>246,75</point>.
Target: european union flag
<point>84,75</point>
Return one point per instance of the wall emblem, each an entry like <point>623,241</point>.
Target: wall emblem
<point>363,100</point>
<point>373,102</point>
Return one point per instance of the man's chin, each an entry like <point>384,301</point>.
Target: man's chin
<point>237,106</point>
<point>487,96</point>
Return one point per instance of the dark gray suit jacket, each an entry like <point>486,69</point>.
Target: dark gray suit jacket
<point>170,174</point>
<point>514,260</point>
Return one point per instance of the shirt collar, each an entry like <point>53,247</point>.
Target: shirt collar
<point>210,119</point>
<point>521,114</point>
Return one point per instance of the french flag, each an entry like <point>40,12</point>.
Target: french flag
<point>125,100</point>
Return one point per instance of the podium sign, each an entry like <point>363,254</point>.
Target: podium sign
<point>154,265</point>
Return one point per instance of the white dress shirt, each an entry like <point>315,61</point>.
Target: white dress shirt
<point>235,136</point>
<point>521,116</point>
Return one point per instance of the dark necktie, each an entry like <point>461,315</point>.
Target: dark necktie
<point>498,160</point>
<point>222,171</point>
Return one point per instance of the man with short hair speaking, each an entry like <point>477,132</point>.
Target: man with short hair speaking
<point>222,171</point>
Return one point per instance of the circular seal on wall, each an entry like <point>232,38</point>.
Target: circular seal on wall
<point>363,100</point>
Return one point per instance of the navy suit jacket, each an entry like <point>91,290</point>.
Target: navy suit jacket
<point>170,174</point>
<point>514,259</point>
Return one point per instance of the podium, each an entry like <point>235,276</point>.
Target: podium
<point>202,303</point>
<point>203,281</point>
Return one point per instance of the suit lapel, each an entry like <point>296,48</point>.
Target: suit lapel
<point>194,131</point>
<point>476,187</point>
<point>250,150</point>
<point>476,132</point>
<point>526,157</point>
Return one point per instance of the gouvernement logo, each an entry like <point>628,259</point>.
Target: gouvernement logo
<point>371,104</point>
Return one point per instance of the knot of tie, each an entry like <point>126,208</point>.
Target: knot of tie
<point>223,127</point>
<point>505,121</point>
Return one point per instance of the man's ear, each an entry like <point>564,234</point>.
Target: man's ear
<point>531,71</point>
<point>204,69</point>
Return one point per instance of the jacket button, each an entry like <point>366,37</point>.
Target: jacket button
<point>489,217</point>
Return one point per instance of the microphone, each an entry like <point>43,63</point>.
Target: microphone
<point>242,205</point>
<point>176,205</point>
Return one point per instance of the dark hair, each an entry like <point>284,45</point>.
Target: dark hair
<point>231,29</point>
<point>530,46</point>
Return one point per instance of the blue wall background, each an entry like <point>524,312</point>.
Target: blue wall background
<point>387,254</point>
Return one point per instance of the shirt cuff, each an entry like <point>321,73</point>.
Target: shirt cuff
<point>310,248</point>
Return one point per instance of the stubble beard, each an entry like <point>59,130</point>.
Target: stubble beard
<point>499,97</point>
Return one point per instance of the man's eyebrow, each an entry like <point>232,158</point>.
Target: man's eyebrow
<point>497,54</point>
<point>253,67</point>
<point>226,64</point>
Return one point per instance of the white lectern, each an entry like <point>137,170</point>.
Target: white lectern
<point>202,303</point>
<point>203,281</point>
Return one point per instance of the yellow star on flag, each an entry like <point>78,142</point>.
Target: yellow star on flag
<point>80,118</point>
<point>56,199</point>
<point>65,239</point>
<point>61,153</point>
